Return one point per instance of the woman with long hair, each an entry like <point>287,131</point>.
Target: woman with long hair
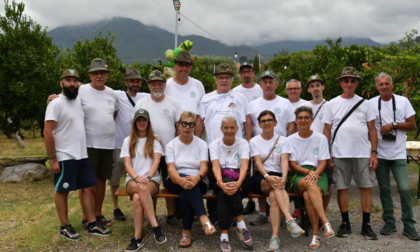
<point>271,156</point>
<point>141,152</point>
<point>230,156</point>
<point>187,160</point>
<point>308,158</point>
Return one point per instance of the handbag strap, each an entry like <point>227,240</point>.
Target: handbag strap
<point>345,118</point>
<point>271,149</point>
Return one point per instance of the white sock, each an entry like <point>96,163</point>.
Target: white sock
<point>224,237</point>
<point>241,225</point>
<point>263,214</point>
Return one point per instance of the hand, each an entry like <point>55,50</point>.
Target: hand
<point>274,181</point>
<point>312,177</point>
<point>51,97</point>
<point>330,163</point>
<point>232,187</point>
<point>373,161</point>
<point>141,181</point>
<point>195,179</point>
<point>185,183</point>
<point>55,168</point>
<point>387,128</point>
<point>282,183</point>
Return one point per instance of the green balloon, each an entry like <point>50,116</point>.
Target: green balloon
<point>171,64</point>
<point>176,51</point>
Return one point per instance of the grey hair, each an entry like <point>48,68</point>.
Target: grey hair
<point>382,75</point>
<point>187,114</point>
<point>229,118</point>
<point>294,80</point>
<point>303,109</point>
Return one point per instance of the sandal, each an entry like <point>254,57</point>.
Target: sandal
<point>315,243</point>
<point>103,220</point>
<point>211,228</point>
<point>183,243</point>
<point>328,231</point>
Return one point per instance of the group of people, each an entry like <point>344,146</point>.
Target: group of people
<point>254,140</point>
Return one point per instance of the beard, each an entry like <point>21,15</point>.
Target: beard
<point>157,93</point>
<point>71,94</point>
<point>134,89</point>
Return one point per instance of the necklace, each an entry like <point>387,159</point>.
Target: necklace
<point>229,150</point>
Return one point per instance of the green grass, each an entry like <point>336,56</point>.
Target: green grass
<point>9,148</point>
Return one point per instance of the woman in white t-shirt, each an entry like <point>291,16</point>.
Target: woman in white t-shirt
<point>187,160</point>
<point>141,152</point>
<point>271,156</point>
<point>230,156</point>
<point>308,158</point>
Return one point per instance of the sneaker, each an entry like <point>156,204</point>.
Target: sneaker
<point>173,221</point>
<point>69,233</point>
<point>103,220</point>
<point>294,228</point>
<point>245,238</point>
<point>135,245</point>
<point>98,229</point>
<point>259,220</point>
<point>119,215</point>
<point>411,233</point>
<point>84,224</point>
<point>368,232</point>
<point>225,246</point>
<point>250,207</point>
<point>344,230</point>
<point>274,245</point>
<point>159,236</point>
<point>388,228</point>
<point>296,214</point>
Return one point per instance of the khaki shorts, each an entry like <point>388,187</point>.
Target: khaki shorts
<point>358,168</point>
<point>118,169</point>
<point>102,162</point>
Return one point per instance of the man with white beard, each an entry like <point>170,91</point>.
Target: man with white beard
<point>164,112</point>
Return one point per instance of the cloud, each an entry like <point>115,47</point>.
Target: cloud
<point>244,22</point>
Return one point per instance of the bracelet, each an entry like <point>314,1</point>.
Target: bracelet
<point>201,177</point>
<point>148,177</point>
<point>265,176</point>
<point>220,180</point>
<point>53,160</point>
<point>135,179</point>
<point>374,151</point>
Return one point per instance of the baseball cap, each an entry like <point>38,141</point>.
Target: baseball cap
<point>70,72</point>
<point>141,112</point>
<point>246,64</point>
<point>314,78</point>
<point>270,74</point>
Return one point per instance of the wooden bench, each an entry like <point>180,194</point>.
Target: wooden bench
<point>165,193</point>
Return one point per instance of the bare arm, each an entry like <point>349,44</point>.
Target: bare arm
<point>291,128</point>
<point>50,146</point>
<point>248,128</point>
<point>327,131</point>
<point>408,125</point>
<point>373,136</point>
<point>199,128</point>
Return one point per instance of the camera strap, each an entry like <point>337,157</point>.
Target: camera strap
<point>379,108</point>
<point>319,109</point>
<point>345,118</point>
<point>131,100</point>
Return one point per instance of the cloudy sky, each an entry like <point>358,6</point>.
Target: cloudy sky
<point>249,22</point>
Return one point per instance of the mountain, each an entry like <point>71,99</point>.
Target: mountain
<point>138,42</point>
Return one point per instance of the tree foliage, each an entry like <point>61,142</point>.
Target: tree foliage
<point>28,69</point>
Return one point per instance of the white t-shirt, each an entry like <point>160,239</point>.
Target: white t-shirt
<point>188,95</point>
<point>140,164</point>
<point>262,147</point>
<point>163,116</point>
<point>250,93</point>
<point>297,104</point>
<point>351,140</point>
<point>279,106</point>
<point>213,107</point>
<point>308,151</point>
<point>239,150</point>
<point>317,125</point>
<point>187,158</point>
<point>392,150</point>
<point>125,116</point>
<point>69,133</point>
<point>99,107</point>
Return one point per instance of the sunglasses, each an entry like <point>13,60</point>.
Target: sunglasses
<point>352,81</point>
<point>185,124</point>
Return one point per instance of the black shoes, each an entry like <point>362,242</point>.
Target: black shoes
<point>368,232</point>
<point>119,215</point>
<point>344,230</point>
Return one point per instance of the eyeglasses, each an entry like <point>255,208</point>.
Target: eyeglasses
<point>224,78</point>
<point>293,89</point>
<point>185,124</point>
<point>246,72</point>
<point>186,65</point>
<point>303,118</point>
<point>352,81</point>
<point>268,121</point>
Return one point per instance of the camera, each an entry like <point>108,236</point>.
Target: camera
<point>390,136</point>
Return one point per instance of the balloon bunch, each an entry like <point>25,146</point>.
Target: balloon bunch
<point>172,54</point>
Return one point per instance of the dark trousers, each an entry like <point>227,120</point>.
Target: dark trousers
<point>191,201</point>
<point>231,206</point>
<point>212,203</point>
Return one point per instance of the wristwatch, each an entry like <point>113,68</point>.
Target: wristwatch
<point>148,177</point>
<point>395,124</point>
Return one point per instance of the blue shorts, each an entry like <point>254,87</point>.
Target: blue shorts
<point>74,175</point>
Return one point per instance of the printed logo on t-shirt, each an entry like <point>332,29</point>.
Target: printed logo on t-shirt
<point>357,110</point>
<point>166,111</point>
<point>277,149</point>
<point>320,116</point>
<point>316,151</point>
<point>193,95</point>
<point>109,102</point>
<point>232,105</point>
<point>237,156</point>
<point>66,185</point>
<point>196,156</point>
<point>277,110</point>
<point>255,97</point>
<point>397,111</point>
